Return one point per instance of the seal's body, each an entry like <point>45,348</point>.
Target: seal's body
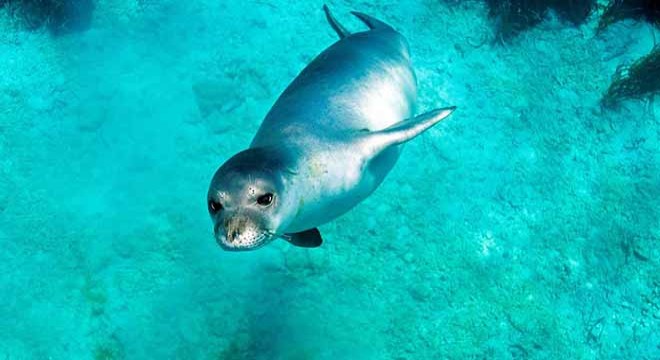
<point>326,144</point>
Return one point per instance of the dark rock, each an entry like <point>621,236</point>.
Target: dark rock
<point>513,16</point>
<point>59,16</point>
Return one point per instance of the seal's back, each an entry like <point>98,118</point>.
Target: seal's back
<point>364,81</point>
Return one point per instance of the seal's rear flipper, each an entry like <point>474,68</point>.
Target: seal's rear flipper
<point>377,141</point>
<point>308,238</point>
<point>336,26</point>
<point>371,22</point>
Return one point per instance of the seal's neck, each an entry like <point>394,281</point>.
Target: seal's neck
<point>280,164</point>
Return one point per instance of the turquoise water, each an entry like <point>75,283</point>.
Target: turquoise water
<point>524,226</point>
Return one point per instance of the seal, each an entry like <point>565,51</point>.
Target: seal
<point>326,144</point>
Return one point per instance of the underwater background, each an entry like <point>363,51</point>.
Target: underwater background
<point>524,226</point>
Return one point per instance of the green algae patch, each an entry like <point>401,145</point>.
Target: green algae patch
<point>109,350</point>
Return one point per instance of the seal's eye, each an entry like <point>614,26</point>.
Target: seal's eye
<point>265,199</point>
<point>214,206</point>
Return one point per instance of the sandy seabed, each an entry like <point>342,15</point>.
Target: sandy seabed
<point>526,226</point>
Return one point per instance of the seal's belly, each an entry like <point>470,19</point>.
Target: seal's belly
<point>333,181</point>
<point>384,97</point>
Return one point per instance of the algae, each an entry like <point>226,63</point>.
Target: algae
<point>515,16</point>
<point>617,10</point>
<point>635,81</point>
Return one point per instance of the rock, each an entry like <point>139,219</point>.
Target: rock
<point>39,103</point>
<point>215,96</point>
<point>420,292</point>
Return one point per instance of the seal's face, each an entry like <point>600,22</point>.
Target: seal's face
<point>245,203</point>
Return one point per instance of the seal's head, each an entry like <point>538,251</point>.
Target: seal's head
<point>248,199</point>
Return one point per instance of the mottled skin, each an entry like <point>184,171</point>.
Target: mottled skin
<point>320,150</point>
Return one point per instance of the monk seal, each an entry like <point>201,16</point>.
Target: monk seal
<point>326,144</point>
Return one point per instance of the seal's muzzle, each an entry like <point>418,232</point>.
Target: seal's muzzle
<point>240,233</point>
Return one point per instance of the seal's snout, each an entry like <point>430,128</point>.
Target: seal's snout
<point>232,235</point>
<point>239,233</point>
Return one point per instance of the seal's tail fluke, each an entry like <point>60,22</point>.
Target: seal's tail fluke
<point>371,22</point>
<point>336,26</point>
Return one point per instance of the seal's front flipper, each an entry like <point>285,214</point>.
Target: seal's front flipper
<point>308,238</point>
<point>377,141</point>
